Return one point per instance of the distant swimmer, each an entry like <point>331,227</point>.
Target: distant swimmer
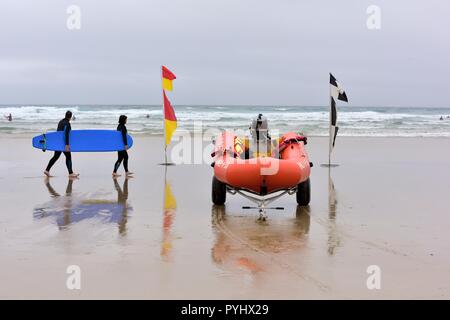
<point>122,155</point>
<point>441,118</point>
<point>63,125</point>
<point>74,118</point>
<point>8,117</point>
<point>448,117</point>
<point>147,116</point>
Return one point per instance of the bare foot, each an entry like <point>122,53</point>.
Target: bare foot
<point>115,175</point>
<point>74,175</point>
<point>47,173</point>
<point>129,173</point>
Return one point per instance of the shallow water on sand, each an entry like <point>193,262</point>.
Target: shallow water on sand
<point>158,236</point>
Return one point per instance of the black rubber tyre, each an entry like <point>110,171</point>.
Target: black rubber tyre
<point>304,193</point>
<point>219,191</point>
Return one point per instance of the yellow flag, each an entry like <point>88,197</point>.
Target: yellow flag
<point>167,84</point>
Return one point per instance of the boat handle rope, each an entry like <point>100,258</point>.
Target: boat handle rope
<point>297,139</point>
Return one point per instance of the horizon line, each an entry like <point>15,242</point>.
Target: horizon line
<point>213,105</point>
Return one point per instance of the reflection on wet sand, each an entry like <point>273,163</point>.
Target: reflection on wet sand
<point>240,243</point>
<point>72,208</point>
<point>169,211</point>
<point>333,236</point>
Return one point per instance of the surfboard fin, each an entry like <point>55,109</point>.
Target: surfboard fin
<point>44,142</point>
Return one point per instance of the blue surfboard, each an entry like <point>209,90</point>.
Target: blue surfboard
<point>83,141</point>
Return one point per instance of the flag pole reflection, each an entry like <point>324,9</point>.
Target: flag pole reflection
<point>169,212</point>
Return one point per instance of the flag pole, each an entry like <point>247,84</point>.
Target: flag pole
<point>329,140</point>
<point>164,209</point>
<point>164,119</point>
<point>329,131</point>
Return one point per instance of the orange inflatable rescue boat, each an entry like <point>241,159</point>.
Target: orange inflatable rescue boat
<point>260,166</point>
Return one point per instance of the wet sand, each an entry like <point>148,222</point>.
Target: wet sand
<point>387,204</point>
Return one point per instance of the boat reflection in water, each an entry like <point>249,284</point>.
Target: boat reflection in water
<point>70,208</point>
<point>240,243</point>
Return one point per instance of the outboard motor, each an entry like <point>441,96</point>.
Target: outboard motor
<point>259,128</point>
<point>260,143</point>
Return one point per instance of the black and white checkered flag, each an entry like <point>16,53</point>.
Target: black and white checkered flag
<point>336,93</point>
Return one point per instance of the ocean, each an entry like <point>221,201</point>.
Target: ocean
<point>312,121</point>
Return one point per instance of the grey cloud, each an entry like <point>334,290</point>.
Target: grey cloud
<point>262,52</point>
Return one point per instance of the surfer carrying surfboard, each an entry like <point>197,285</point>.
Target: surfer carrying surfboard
<point>63,125</point>
<point>123,154</point>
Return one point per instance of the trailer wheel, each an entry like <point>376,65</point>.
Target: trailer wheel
<point>304,193</point>
<point>219,191</point>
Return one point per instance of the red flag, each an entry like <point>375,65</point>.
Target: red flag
<point>169,113</point>
<point>167,74</point>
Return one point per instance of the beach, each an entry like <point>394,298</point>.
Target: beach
<point>386,204</point>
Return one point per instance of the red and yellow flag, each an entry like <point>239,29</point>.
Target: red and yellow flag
<point>170,120</point>
<point>167,77</point>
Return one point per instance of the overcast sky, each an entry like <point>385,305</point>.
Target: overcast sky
<point>257,52</point>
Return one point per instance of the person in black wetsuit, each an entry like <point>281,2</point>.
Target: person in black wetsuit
<point>122,155</point>
<point>63,125</point>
